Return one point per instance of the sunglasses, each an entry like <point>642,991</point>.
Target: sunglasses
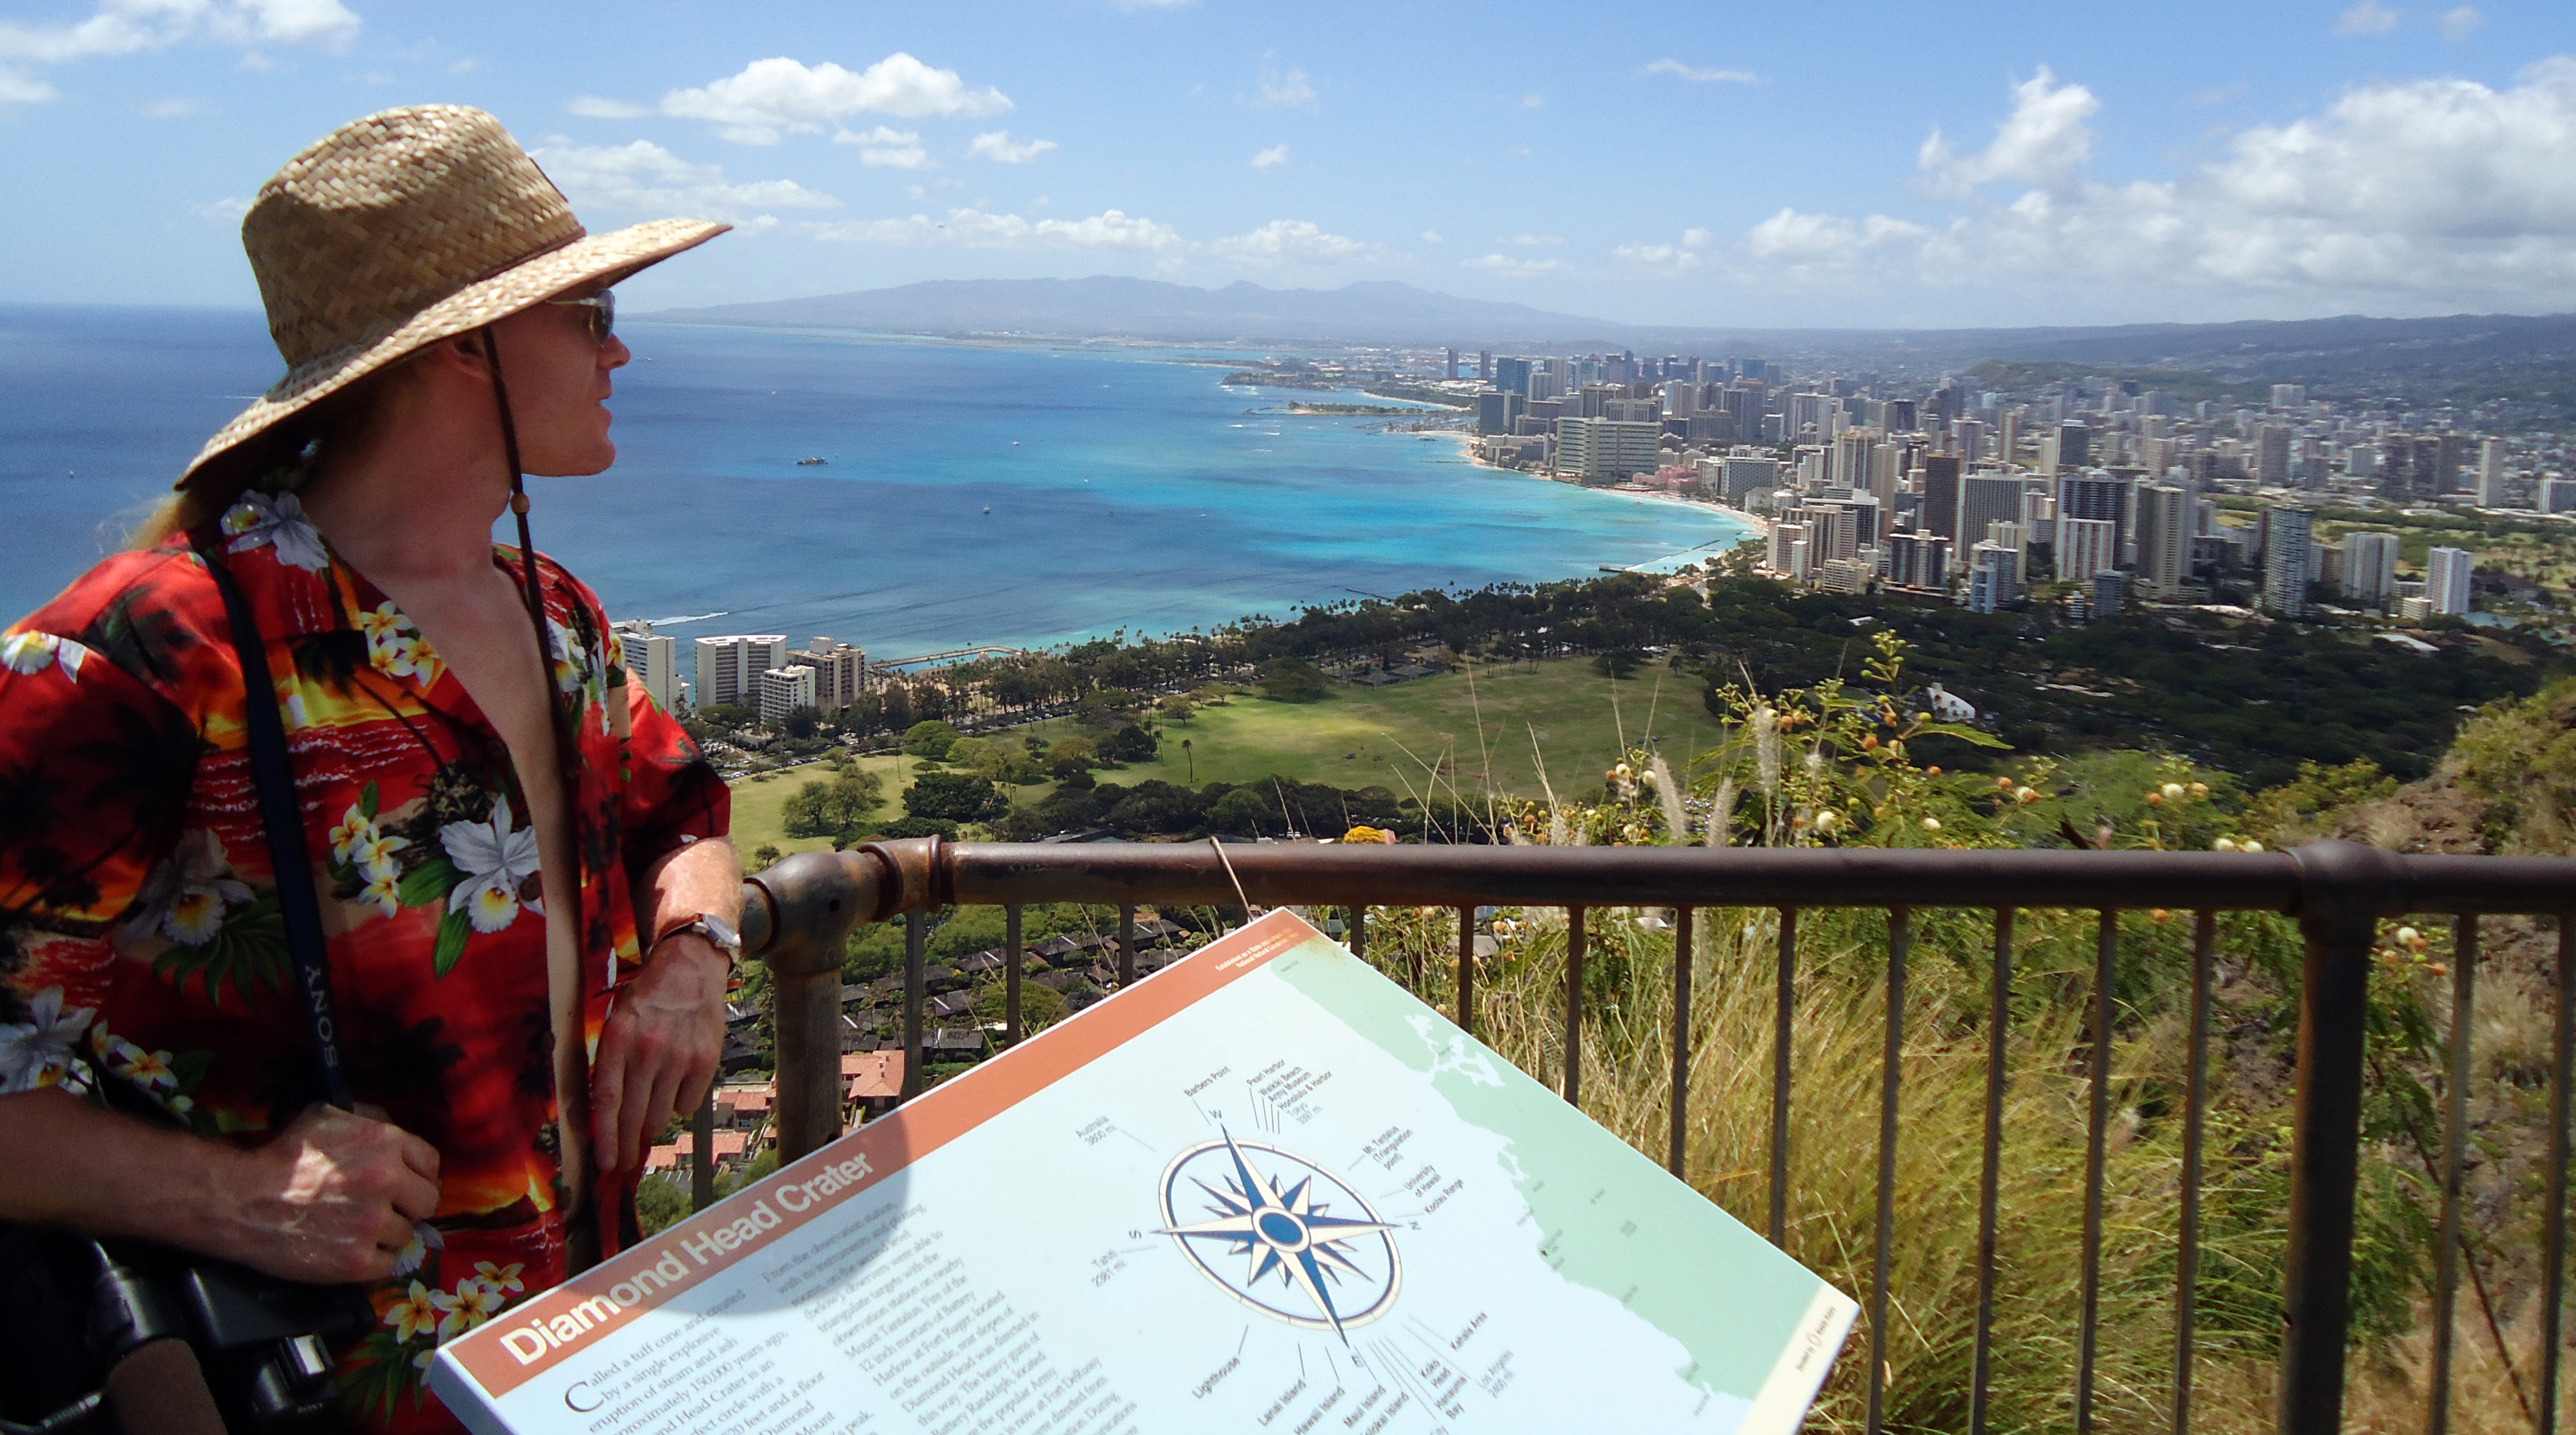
<point>603,314</point>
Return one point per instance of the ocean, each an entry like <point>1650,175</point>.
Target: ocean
<point>972,494</point>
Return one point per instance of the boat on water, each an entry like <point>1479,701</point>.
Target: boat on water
<point>815,461</point>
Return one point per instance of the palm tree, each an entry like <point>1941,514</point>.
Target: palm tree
<point>1194,761</point>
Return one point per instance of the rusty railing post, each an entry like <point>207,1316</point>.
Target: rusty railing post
<point>797,916</point>
<point>2345,889</point>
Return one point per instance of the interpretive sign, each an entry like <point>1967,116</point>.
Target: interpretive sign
<point>1264,1190</point>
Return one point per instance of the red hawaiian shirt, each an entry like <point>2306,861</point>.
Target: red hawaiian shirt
<point>142,954</point>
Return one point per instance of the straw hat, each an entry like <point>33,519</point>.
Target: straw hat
<point>399,230</point>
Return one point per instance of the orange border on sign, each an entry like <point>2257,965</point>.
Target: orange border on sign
<point>890,1143</point>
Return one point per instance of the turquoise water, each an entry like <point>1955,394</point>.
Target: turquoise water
<point>1127,489</point>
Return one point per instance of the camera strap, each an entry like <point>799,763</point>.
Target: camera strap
<point>283,814</point>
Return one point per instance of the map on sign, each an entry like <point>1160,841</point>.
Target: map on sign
<point>1264,1190</point>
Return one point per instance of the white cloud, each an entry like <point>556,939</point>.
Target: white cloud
<point>2460,22</point>
<point>597,108</point>
<point>222,211</point>
<point>886,147</point>
<point>980,229</point>
<point>2044,141</point>
<point>1533,100</point>
<point>1432,236</point>
<point>465,65</point>
<point>2414,195</point>
<point>2368,17</point>
<point>126,27</point>
<point>643,177</point>
<point>1530,241</point>
<point>1507,267</point>
<point>1285,92</point>
<point>1271,158</point>
<point>1698,76</point>
<point>175,109</point>
<point>1298,241</point>
<point>777,96</point>
<point>1680,258</point>
<point>1000,148</point>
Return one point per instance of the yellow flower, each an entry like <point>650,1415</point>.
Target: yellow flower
<point>415,1314</point>
<point>384,624</point>
<point>501,1278</point>
<point>385,890</point>
<point>354,829</point>
<point>375,856</point>
<point>471,1305</point>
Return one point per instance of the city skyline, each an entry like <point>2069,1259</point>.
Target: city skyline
<point>1705,167</point>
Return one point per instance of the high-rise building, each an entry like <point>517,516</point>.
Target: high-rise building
<point>1833,530</point>
<point>1495,411</point>
<point>2086,546</point>
<point>2554,495</point>
<point>1449,367</point>
<point>1512,376</point>
<point>2272,452</point>
<point>652,662</point>
<point>1987,498</point>
<point>1851,458</point>
<point>2289,396</point>
<point>1994,581</point>
<point>2446,579</point>
<point>2164,540</point>
<point>1788,557</point>
<point>2068,446</point>
<point>729,667</point>
<point>2285,561</point>
<point>2369,566</point>
<point>1485,365</point>
<point>1968,439</point>
<point>1940,511</point>
<point>1742,476</point>
<point>2100,495</point>
<point>1593,449</point>
<point>1918,560</point>
<point>840,673</point>
<point>2008,437</point>
<point>2493,454</point>
<point>782,691</point>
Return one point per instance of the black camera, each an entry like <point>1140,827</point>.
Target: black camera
<point>168,1333</point>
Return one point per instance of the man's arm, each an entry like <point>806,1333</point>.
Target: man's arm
<point>331,1199</point>
<point>659,1050</point>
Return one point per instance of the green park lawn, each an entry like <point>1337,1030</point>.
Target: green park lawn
<point>1474,726</point>
<point>760,801</point>
<point>1477,727</point>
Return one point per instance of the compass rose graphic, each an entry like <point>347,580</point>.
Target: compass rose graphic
<point>1280,1234</point>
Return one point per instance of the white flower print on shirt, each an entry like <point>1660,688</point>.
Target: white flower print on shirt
<point>497,863</point>
<point>39,1051</point>
<point>185,897</point>
<point>261,520</point>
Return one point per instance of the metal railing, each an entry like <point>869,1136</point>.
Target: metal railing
<point>799,914</point>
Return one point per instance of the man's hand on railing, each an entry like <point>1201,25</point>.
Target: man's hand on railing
<point>659,1048</point>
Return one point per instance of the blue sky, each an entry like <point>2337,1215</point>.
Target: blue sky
<point>1854,164</point>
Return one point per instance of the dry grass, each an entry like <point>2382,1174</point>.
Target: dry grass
<point>1837,1056</point>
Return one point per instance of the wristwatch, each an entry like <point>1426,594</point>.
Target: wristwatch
<point>717,931</point>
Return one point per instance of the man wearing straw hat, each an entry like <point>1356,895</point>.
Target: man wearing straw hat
<point>520,863</point>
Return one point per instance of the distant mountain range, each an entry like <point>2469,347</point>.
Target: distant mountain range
<point>1108,307</point>
<point>2351,349</point>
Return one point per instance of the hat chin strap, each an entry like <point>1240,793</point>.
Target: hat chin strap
<point>518,494</point>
